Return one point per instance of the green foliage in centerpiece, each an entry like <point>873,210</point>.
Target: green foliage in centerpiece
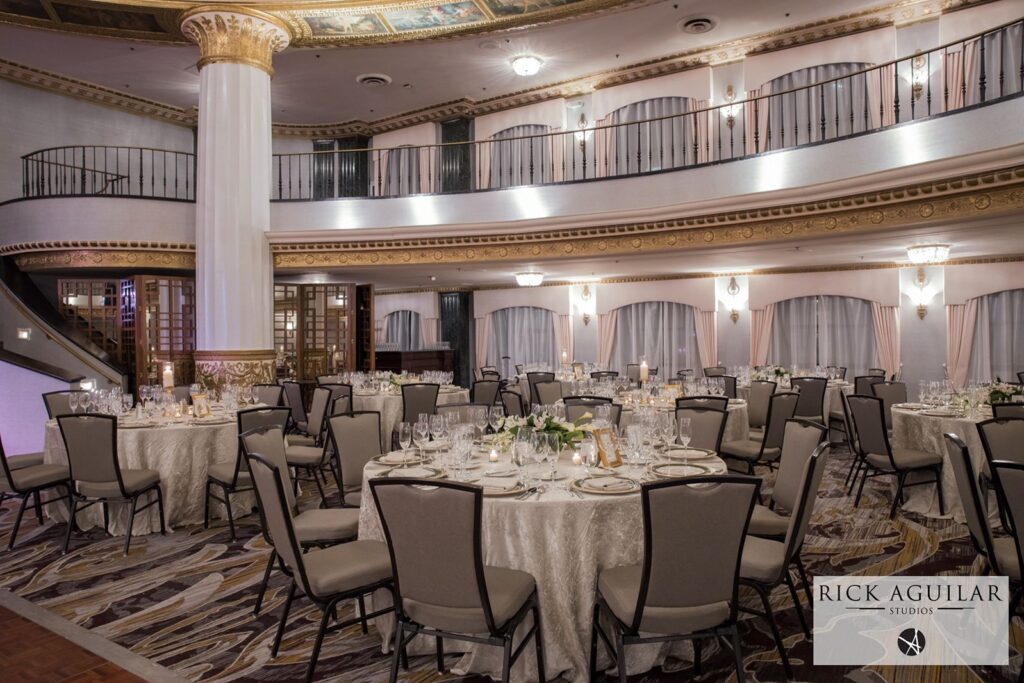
<point>568,432</point>
<point>1004,393</point>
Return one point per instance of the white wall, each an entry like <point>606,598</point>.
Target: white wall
<point>923,342</point>
<point>35,119</point>
<point>873,47</point>
<point>22,411</point>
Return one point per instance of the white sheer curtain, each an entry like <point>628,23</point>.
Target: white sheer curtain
<point>824,330</point>
<point>403,328</point>
<point>663,331</point>
<point>647,145</point>
<point>524,333</point>
<point>517,159</point>
<point>998,348</point>
<point>402,173</point>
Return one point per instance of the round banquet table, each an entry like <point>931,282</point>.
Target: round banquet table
<point>181,452</point>
<point>914,429</point>
<point>390,406</point>
<point>563,542</point>
<point>737,420</point>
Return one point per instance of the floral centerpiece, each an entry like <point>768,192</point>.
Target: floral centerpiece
<point>1003,393</point>
<point>773,373</point>
<point>568,432</point>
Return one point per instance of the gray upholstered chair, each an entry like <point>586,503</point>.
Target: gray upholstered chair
<point>766,562</point>
<point>512,402</point>
<point>484,392</point>
<point>1008,410</point>
<point>24,477</point>
<point>520,368</point>
<point>862,384</point>
<point>757,403</point>
<point>1002,438</point>
<point>57,402</point>
<point>676,595</point>
<point>811,405</point>
<point>891,393</point>
<point>768,448</point>
<point>729,386</point>
<point>356,440</point>
<point>269,394</point>
<point>685,373</point>
<point>881,460</point>
<point>293,399</point>
<point>315,527</point>
<point>341,398</point>
<point>707,425</point>
<point>876,372</point>
<point>603,374</point>
<point>310,455</point>
<point>1007,558</point>
<point>547,393</point>
<point>340,572</point>
<point>633,372</point>
<point>96,475</point>
<point>181,393</point>
<point>716,371</point>
<point>418,399</point>
<point>443,588</point>
<point>975,508</point>
<point>314,427</point>
<point>838,371</point>
<point>490,376</point>
<point>465,412</point>
<point>532,378</point>
<point>321,380</point>
<point>578,406</point>
<point>719,402</point>
<point>233,477</point>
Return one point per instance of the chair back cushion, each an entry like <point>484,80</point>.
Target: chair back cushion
<point>485,392</point>
<point>547,393</point>
<point>1009,480</point>
<point>812,395</point>
<point>869,423</point>
<point>269,394</point>
<point>757,402</point>
<point>801,438</point>
<point>1003,438</point>
<point>862,384</point>
<point>706,426</point>
<point>91,442</point>
<point>418,399</point>
<point>356,439</point>
<point>293,399</point>
<point>970,493</point>
<point>270,485</point>
<point>338,391</point>
<point>720,402</point>
<point>890,393</point>
<point>729,384</point>
<point>1008,409</point>
<point>800,519</point>
<point>57,402</point>
<point>716,371</point>
<point>781,407</point>
<point>513,403</point>
<point>268,442</point>
<point>317,411</point>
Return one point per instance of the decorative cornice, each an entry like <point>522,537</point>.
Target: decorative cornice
<point>64,245</point>
<point>48,256</point>
<point>984,194</point>
<point>236,35</point>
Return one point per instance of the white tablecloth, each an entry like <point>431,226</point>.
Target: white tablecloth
<point>737,421</point>
<point>390,408</point>
<point>911,429</point>
<point>181,454</point>
<point>563,542</point>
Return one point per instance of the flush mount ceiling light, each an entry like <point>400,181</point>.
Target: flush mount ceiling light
<point>526,65</point>
<point>529,279</point>
<point>928,253</point>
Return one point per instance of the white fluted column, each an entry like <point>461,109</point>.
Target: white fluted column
<point>234,272</point>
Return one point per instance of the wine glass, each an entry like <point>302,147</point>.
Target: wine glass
<point>421,435</point>
<point>405,436</point>
<point>521,455</point>
<point>683,430</point>
<point>127,402</point>
<point>480,419</point>
<point>551,453</point>
<point>666,428</point>
<point>494,417</point>
<point>84,399</point>
<point>73,401</point>
<point>437,426</point>
<point>588,453</point>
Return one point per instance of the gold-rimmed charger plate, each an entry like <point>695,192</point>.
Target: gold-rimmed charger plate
<point>389,459</point>
<point>417,472</point>
<point>620,487</point>
<point>676,470</point>
<point>680,453</point>
<point>515,489</point>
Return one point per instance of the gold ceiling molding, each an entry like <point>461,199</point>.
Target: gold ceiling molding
<point>786,270</point>
<point>235,35</point>
<point>97,94</point>
<point>36,256</point>
<point>972,196</point>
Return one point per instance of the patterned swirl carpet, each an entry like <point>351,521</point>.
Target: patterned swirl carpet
<point>184,601</point>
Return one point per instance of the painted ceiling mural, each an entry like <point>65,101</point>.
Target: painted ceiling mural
<point>312,23</point>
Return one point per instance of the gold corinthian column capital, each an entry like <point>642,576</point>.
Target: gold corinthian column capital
<point>237,35</point>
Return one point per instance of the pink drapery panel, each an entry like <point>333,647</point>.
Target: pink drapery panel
<point>881,94</point>
<point>421,174</point>
<point>887,336</point>
<point>563,336</point>
<point>603,139</point>
<point>606,337</point>
<point>960,320</point>
<point>957,66</point>
<point>707,337</point>
<point>483,340</point>
<point>761,334</point>
<point>428,330</point>
<point>755,111</point>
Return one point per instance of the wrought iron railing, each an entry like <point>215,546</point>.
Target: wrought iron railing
<point>107,171</point>
<point>974,71</point>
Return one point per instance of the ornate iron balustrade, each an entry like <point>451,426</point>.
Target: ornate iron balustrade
<point>972,72</point>
<point>109,171</point>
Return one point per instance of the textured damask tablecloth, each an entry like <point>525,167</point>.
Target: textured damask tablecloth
<point>390,408</point>
<point>563,542</point>
<point>181,454</point>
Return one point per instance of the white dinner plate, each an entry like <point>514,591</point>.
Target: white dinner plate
<point>673,470</point>
<point>606,486</point>
<point>417,472</point>
<point>680,453</point>
<point>397,458</point>
<point>939,413</point>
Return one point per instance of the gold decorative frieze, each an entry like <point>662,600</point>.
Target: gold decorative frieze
<point>214,369</point>
<point>236,35</point>
<point>35,256</point>
<point>932,202</point>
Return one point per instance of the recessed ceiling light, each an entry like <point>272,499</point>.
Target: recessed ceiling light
<point>697,25</point>
<point>373,80</point>
<point>526,65</point>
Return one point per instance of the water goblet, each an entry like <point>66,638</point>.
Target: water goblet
<point>479,414</point>
<point>127,402</point>
<point>588,453</point>
<point>495,415</point>
<point>436,425</point>
<point>683,431</point>
<point>421,435</point>
<point>84,399</point>
<point>73,401</point>
<point>404,436</point>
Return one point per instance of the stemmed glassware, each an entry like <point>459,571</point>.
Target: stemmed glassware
<point>438,427</point>
<point>667,428</point>
<point>480,419</point>
<point>421,435</point>
<point>683,431</point>
<point>84,399</point>
<point>73,401</point>
<point>127,402</point>
<point>494,417</point>
<point>588,453</point>
<point>405,436</point>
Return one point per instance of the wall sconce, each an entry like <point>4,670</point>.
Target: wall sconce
<point>25,333</point>
<point>919,296</point>
<point>918,75</point>
<point>733,290</point>
<point>730,111</point>
<point>586,296</point>
<point>582,131</point>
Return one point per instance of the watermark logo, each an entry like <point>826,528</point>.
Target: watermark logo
<point>926,620</point>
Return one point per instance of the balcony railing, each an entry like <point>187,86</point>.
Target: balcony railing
<point>106,171</point>
<point>974,71</point>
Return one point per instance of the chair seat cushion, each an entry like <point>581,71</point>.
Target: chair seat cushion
<point>301,425</point>
<point>303,455</point>
<point>329,524</point>
<point>16,462</point>
<point>906,459</point>
<point>300,440</point>
<point>225,471</point>
<point>134,481</point>
<point>762,559</point>
<point>35,477</point>
<point>1005,549</point>
<point>346,567</point>
<point>750,451</point>
<point>354,497</point>
<point>837,415</point>
<point>508,590</point>
<point>620,588</point>
<point>767,522</point>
